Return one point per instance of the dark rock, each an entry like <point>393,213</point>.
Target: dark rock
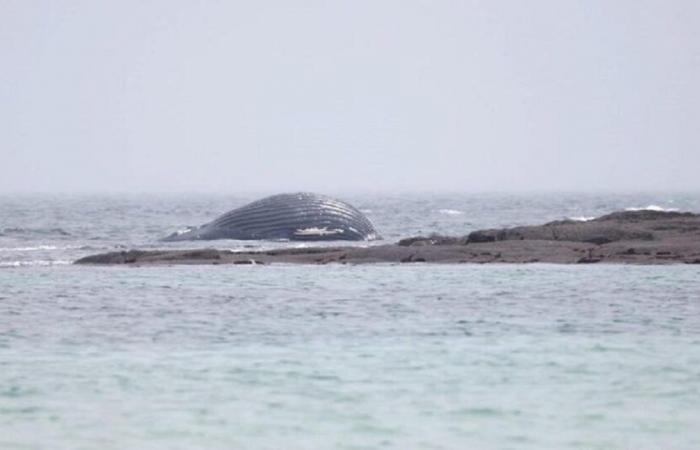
<point>643,215</point>
<point>476,237</point>
<point>599,240</point>
<point>587,260</point>
<point>432,240</point>
<point>123,257</point>
<point>420,240</point>
<point>563,231</point>
<point>631,237</point>
<point>208,253</point>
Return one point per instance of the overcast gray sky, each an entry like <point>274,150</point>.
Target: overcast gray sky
<point>358,95</point>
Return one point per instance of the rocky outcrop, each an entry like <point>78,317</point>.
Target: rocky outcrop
<point>633,237</point>
<point>619,226</point>
<point>588,232</point>
<point>432,240</point>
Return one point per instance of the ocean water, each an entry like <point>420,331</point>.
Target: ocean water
<point>351,357</point>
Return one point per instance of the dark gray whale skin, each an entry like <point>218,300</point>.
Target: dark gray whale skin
<point>300,217</point>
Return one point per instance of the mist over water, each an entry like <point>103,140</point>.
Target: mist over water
<point>398,95</point>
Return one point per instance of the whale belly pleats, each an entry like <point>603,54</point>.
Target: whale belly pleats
<point>301,216</point>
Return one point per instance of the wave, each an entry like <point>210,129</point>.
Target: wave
<point>651,208</point>
<point>581,218</point>
<point>450,212</point>
<point>44,247</point>
<point>37,263</point>
<point>41,231</point>
<point>29,249</point>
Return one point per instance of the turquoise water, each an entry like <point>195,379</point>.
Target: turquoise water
<point>407,356</point>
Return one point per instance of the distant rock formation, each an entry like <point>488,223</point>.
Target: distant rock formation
<point>632,237</point>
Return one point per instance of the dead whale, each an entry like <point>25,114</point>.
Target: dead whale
<point>300,216</point>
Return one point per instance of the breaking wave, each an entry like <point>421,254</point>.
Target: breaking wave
<point>651,208</point>
<point>44,247</point>
<point>36,231</point>
<point>450,212</point>
<point>40,263</point>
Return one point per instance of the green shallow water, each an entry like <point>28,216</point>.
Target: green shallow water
<point>536,356</point>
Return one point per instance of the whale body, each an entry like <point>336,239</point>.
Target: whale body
<point>301,216</point>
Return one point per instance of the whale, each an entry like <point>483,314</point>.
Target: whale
<point>301,216</point>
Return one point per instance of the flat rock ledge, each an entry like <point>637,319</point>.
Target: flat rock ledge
<point>625,237</point>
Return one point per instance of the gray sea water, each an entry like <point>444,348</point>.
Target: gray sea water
<point>386,356</point>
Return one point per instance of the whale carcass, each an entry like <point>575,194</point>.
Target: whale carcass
<point>300,217</point>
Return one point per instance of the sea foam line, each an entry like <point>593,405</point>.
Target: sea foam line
<point>40,247</point>
<point>450,212</point>
<point>41,263</point>
<point>651,208</point>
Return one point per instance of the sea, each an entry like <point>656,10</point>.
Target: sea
<point>410,356</point>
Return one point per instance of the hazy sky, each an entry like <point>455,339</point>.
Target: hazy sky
<point>349,95</point>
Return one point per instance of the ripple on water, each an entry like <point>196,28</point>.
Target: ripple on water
<point>536,356</point>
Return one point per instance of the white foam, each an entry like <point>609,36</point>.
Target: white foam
<point>7,264</point>
<point>450,212</point>
<point>652,208</point>
<point>29,249</point>
<point>581,218</point>
<point>38,248</point>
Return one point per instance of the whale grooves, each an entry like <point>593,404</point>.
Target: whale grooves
<point>300,216</point>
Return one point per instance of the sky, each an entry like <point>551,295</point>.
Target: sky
<point>231,96</point>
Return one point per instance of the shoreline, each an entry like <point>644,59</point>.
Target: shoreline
<point>627,237</point>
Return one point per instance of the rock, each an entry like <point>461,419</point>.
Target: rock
<point>432,240</point>
<point>630,237</point>
<point>594,233</point>
<point>644,215</point>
